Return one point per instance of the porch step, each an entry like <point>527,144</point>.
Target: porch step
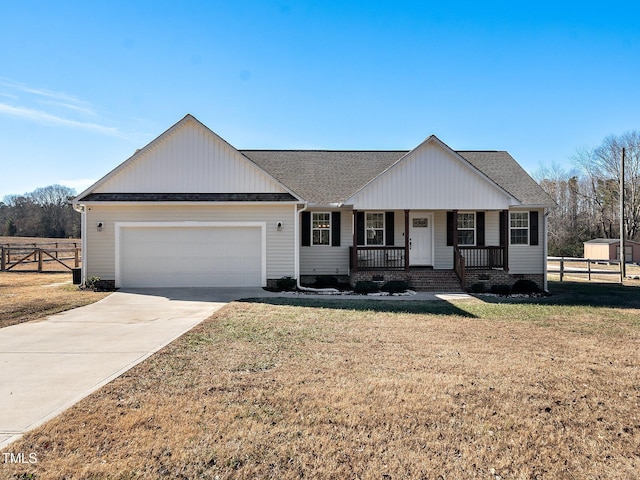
<point>428,280</point>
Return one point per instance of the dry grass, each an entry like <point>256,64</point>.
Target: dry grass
<point>513,390</point>
<point>30,296</point>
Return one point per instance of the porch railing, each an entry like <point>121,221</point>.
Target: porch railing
<point>477,258</point>
<point>482,258</point>
<point>378,258</point>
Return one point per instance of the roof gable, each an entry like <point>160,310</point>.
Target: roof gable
<point>188,157</point>
<point>434,176</point>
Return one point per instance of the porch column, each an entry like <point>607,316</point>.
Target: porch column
<point>406,240</point>
<point>354,249</point>
<point>505,240</point>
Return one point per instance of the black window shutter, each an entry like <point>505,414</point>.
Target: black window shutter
<point>306,229</point>
<point>480,229</point>
<point>335,229</point>
<point>450,229</point>
<point>503,226</point>
<point>360,228</point>
<point>533,228</point>
<point>388,228</point>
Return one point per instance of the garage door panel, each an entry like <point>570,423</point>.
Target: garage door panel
<point>191,256</point>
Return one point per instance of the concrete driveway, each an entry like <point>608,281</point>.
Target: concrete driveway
<point>47,366</point>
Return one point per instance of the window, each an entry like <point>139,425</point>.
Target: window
<point>321,228</point>
<point>466,228</point>
<point>519,228</point>
<point>374,226</point>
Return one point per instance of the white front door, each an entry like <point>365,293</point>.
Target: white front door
<point>420,238</point>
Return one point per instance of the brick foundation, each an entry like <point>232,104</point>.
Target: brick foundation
<point>489,278</point>
<point>105,285</point>
<point>446,280</point>
<point>422,280</point>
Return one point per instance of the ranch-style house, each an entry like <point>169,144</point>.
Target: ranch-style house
<point>191,210</point>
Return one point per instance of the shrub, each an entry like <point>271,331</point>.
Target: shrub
<point>365,287</point>
<point>92,283</point>
<point>478,287</point>
<point>326,282</point>
<point>286,284</point>
<point>395,286</point>
<point>501,289</point>
<point>525,286</point>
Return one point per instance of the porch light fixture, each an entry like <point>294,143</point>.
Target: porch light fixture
<point>279,226</point>
<point>99,226</point>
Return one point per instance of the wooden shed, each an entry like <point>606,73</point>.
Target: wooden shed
<point>609,249</point>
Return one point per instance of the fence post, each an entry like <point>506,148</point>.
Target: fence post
<point>39,255</point>
<point>2,264</point>
<point>76,257</point>
<point>589,268</point>
<point>561,268</point>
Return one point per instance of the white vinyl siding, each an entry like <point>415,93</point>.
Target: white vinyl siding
<point>100,255</point>
<point>189,158</point>
<point>492,228</point>
<point>329,260</point>
<point>528,258</point>
<point>443,254</point>
<point>434,177</point>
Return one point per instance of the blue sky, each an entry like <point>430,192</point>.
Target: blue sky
<point>84,84</point>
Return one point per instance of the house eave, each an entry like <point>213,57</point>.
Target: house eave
<point>149,203</point>
<point>531,205</point>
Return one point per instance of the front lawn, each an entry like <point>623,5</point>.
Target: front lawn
<point>478,388</point>
<point>31,296</point>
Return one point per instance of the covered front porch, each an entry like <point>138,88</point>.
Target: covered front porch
<point>437,240</point>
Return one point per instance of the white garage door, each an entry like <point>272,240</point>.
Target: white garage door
<point>190,256</point>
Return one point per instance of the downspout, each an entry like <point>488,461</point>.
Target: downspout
<point>296,243</point>
<point>82,209</point>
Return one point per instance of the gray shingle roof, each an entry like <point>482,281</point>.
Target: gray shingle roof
<point>324,177</point>
<point>500,167</point>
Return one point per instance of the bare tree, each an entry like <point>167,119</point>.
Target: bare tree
<point>45,212</point>
<point>601,166</point>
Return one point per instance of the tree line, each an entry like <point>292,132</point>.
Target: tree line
<point>588,195</point>
<point>45,212</point>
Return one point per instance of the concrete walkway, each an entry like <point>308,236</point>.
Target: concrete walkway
<point>47,366</point>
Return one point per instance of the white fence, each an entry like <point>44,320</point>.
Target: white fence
<point>583,266</point>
